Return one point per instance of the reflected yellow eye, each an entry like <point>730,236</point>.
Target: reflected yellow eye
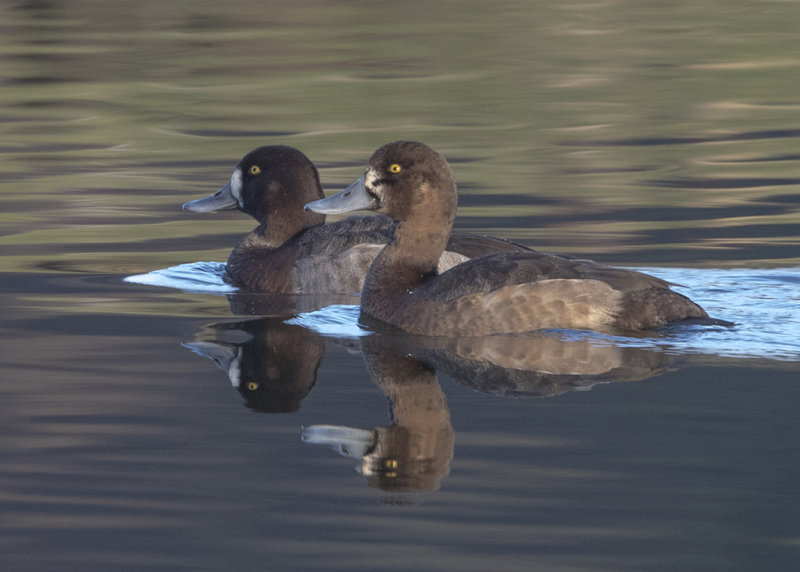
<point>395,168</point>
<point>252,386</point>
<point>255,170</point>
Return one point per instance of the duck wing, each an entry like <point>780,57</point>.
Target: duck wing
<point>494,271</point>
<point>336,237</point>
<point>546,289</point>
<point>473,245</point>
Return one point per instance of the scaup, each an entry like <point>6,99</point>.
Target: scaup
<point>507,293</point>
<point>292,251</point>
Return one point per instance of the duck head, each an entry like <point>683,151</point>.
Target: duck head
<point>404,180</point>
<point>271,184</point>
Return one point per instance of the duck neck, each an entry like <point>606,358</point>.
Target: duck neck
<point>412,257</point>
<point>285,215</point>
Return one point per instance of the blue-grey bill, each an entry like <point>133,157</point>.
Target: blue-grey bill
<point>346,441</point>
<point>353,198</point>
<point>223,199</point>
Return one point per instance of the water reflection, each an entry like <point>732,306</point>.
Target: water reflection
<point>211,278</point>
<point>537,365</point>
<point>413,453</point>
<point>271,364</point>
<point>274,365</point>
<point>284,305</point>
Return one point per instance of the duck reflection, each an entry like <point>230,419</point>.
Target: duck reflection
<point>248,303</point>
<point>273,365</point>
<point>414,452</point>
<point>537,365</point>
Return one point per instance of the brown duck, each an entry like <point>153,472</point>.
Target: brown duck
<point>511,292</point>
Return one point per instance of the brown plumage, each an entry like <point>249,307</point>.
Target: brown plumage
<point>512,292</point>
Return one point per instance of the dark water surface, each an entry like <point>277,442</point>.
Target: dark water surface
<point>155,424</point>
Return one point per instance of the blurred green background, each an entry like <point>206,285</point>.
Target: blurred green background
<point>630,132</point>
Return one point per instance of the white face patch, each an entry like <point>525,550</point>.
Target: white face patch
<point>235,369</point>
<point>236,186</point>
<point>371,181</point>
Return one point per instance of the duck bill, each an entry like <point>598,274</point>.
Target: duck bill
<point>222,200</point>
<point>353,198</point>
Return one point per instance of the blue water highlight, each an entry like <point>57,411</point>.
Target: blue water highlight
<point>195,277</point>
<point>764,305</point>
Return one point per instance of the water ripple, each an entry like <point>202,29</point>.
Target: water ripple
<point>688,140</point>
<point>763,303</point>
<point>724,183</point>
<point>199,277</point>
<point>337,321</point>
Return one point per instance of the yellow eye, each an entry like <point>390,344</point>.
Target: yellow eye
<point>252,386</point>
<point>395,168</point>
<point>255,170</point>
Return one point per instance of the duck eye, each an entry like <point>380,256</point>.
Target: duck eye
<point>395,168</point>
<point>254,170</point>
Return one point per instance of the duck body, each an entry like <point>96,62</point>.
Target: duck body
<point>511,293</point>
<point>323,258</point>
<point>501,293</point>
<point>292,250</point>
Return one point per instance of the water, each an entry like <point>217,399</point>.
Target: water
<point>174,423</point>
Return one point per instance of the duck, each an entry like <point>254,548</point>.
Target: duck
<point>500,293</point>
<point>292,250</point>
